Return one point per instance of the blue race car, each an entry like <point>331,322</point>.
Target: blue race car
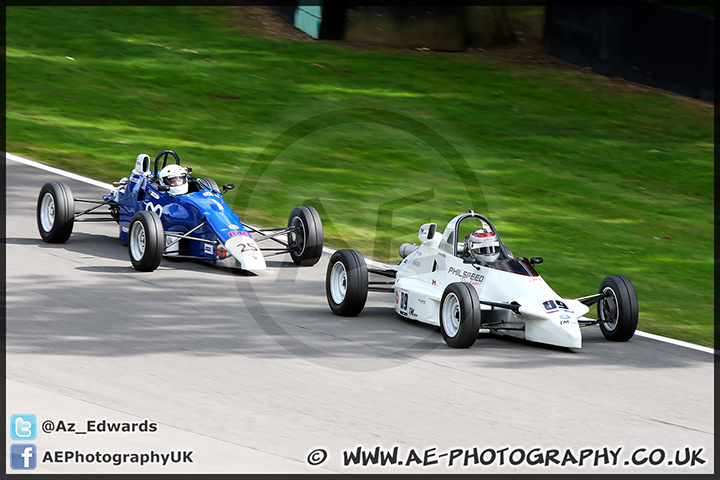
<point>166,211</point>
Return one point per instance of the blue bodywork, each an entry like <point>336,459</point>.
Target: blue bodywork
<point>181,214</point>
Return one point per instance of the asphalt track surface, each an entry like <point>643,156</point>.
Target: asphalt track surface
<point>253,374</point>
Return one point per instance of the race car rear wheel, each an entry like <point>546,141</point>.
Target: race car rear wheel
<point>306,241</point>
<point>55,212</point>
<point>460,315</point>
<point>618,311</point>
<point>212,183</point>
<point>346,283</point>
<point>146,241</point>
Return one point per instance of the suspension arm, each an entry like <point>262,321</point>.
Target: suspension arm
<point>278,231</point>
<point>592,299</point>
<point>384,273</point>
<point>187,236</point>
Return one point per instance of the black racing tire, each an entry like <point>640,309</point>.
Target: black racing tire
<point>618,312</point>
<point>305,244</point>
<point>346,283</point>
<point>55,212</point>
<point>209,181</point>
<point>146,241</point>
<point>460,315</point>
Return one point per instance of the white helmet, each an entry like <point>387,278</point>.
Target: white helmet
<point>483,244</point>
<point>175,177</point>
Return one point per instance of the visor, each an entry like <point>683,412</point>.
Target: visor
<point>175,181</point>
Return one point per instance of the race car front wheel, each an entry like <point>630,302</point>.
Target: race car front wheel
<point>55,212</point>
<point>346,283</point>
<point>146,241</point>
<point>618,311</point>
<point>460,315</point>
<point>306,240</point>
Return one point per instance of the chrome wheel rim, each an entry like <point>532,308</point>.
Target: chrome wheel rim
<point>137,241</point>
<point>47,212</point>
<point>451,315</point>
<point>338,283</point>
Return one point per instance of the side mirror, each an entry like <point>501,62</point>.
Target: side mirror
<point>536,261</point>
<point>188,170</point>
<point>427,232</point>
<point>163,188</point>
<point>227,187</point>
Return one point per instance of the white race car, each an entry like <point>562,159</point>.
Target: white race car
<point>467,281</point>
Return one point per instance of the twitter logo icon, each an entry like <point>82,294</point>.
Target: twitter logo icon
<point>23,427</point>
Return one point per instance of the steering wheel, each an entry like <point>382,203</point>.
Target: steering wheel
<point>164,154</point>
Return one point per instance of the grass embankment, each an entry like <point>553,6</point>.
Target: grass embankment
<point>598,180</point>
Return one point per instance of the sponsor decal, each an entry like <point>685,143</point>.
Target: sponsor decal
<point>208,194</point>
<point>421,301</point>
<point>233,226</point>
<point>466,276</point>
<point>154,195</point>
<point>154,208</point>
<point>238,232</point>
<point>416,262</point>
<point>564,316</point>
<point>125,229</point>
<point>434,282</point>
<point>208,249</point>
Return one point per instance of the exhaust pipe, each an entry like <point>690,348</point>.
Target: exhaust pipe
<point>407,248</point>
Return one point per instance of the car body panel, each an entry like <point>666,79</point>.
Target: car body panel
<point>541,315</point>
<point>185,213</point>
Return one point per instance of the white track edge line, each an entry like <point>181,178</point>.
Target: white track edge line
<point>58,171</point>
<point>374,263</point>
<point>681,343</point>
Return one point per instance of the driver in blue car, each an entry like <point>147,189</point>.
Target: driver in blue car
<point>175,177</point>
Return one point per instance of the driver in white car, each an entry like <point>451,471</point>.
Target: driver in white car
<point>482,245</point>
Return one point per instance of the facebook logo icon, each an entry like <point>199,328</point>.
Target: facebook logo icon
<point>23,456</point>
<point>23,427</point>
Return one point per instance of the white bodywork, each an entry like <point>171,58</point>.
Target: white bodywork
<point>542,315</point>
<point>247,253</point>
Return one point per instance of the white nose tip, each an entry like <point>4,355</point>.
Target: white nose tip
<point>246,252</point>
